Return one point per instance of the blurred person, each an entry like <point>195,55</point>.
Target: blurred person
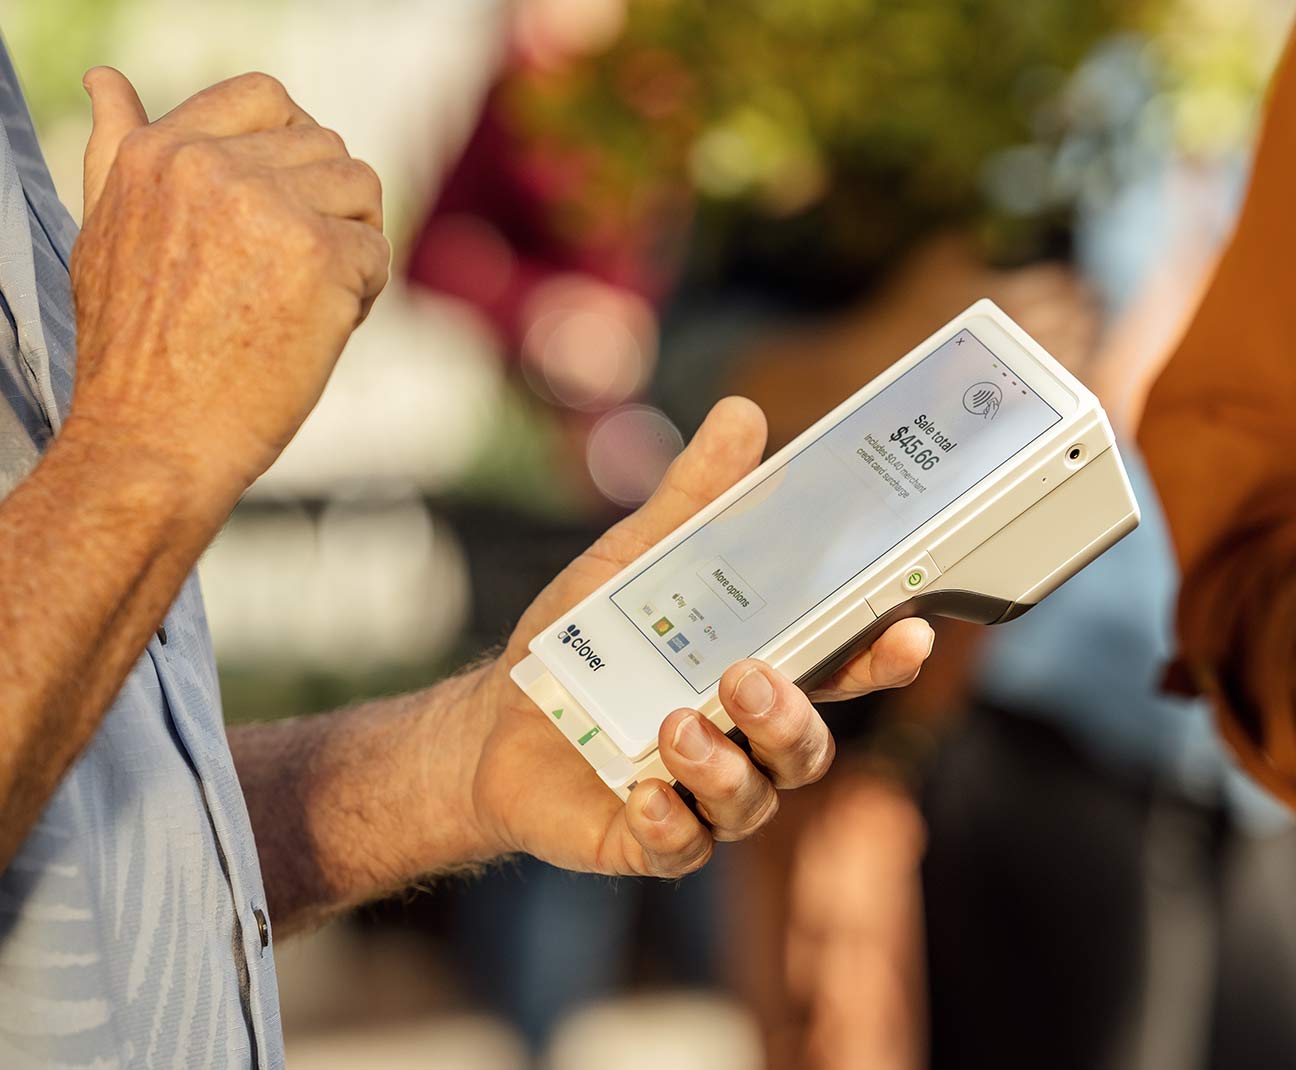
<point>1219,431</point>
<point>1094,884</point>
<point>845,986</point>
<point>228,251</point>
<point>1102,887</point>
<point>797,373</point>
<point>857,993</point>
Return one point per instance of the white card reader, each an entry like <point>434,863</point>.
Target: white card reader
<point>968,480</point>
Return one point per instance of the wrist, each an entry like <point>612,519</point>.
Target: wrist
<point>461,720</point>
<point>146,474</point>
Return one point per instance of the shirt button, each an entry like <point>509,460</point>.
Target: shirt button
<point>263,930</point>
<point>161,634</point>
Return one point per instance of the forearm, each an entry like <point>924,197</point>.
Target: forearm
<point>351,805</point>
<point>94,545</point>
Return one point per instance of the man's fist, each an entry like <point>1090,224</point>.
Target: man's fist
<point>227,252</point>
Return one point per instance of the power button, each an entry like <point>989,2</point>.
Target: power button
<point>903,583</point>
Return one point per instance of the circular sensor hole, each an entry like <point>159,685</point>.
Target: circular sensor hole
<point>1075,455</point>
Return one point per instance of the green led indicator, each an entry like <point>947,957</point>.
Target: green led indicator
<point>588,736</point>
<point>914,578</point>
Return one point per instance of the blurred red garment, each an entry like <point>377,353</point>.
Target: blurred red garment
<point>495,233</point>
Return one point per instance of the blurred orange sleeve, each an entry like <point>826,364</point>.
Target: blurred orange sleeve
<point>1219,433</point>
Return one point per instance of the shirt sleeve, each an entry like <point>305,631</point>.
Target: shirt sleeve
<point>1219,434</point>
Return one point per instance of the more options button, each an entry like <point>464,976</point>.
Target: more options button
<point>734,591</point>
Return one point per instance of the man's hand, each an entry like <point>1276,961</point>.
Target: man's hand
<point>531,792</point>
<point>227,252</point>
<point>349,806</point>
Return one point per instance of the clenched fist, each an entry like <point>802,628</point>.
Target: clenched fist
<point>228,250</point>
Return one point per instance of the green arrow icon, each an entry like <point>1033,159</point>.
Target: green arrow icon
<point>557,715</point>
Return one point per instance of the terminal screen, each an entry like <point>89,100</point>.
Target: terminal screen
<point>834,508</point>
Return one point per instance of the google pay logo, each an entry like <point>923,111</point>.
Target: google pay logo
<point>571,637</point>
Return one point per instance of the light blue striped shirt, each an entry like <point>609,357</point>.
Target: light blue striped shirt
<point>131,920</point>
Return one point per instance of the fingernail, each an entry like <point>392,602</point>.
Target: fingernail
<point>657,806</point>
<point>931,642</point>
<point>754,693</point>
<point>692,741</point>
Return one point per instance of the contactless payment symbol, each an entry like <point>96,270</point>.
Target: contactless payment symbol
<point>983,399</point>
<point>663,626</point>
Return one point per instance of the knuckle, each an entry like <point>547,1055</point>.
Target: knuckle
<point>195,162</point>
<point>761,813</point>
<point>789,730</point>
<point>742,782</point>
<point>685,861</point>
<point>855,678</point>
<point>140,150</point>
<point>244,202</point>
<point>305,240</point>
<point>814,765</point>
<point>801,759</point>
<point>721,798</point>
<point>259,83</point>
<point>813,755</point>
<point>369,180</point>
<point>897,675</point>
<point>333,138</point>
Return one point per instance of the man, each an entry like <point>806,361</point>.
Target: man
<point>228,251</point>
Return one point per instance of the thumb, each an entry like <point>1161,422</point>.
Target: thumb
<point>116,112</point>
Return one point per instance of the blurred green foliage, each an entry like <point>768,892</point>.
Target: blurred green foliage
<point>1217,56</point>
<point>824,134</point>
<point>58,40</point>
<point>827,132</point>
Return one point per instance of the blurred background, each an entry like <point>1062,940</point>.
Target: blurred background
<point>606,214</point>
